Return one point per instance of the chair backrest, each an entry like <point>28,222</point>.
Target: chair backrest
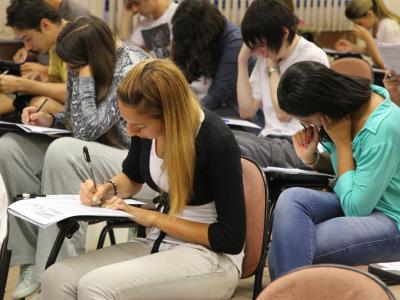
<point>255,194</point>
<point>354,67</point>
<point>5,253</point>
<point>325,281</point>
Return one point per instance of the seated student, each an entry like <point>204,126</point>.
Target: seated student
<point>269,30</point>
<point>367,16</point>
<point>206,46</point>
<point>152,32</point>
<point>39,164</point>
<point>37,24</point>
<point>392,84</point>
<point>198,244</point>
<point>68,10</point>
<point>359,222</point>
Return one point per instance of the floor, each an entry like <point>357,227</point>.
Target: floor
<point>244,290</point>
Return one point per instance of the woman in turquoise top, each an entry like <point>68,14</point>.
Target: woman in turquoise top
<point>357,124</point>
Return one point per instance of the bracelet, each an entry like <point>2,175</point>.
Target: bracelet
<point>54,119</point>
<point>113,185</point>
<point>316,161</point>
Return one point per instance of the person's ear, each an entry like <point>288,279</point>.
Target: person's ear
<point>285,31</point>
<point>44,24</point>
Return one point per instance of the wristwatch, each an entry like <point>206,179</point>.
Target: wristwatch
<point>271,70</point>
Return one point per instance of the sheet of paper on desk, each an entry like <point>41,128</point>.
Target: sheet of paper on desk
<point>244,123</point>
<point>295,171</point>
<point>34,129</point>
<point>45,211</point>
<point>390,55</point>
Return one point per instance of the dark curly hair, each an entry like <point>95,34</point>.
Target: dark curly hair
<point>197,27</point>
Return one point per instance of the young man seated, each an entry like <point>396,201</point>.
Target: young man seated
<point>269,31</point>
<point>68,10</point>
<point>37,24</point>
<point>153,31</point>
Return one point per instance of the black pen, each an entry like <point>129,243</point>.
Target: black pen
<point>41,105</point>
<point>87,158</point>
<point>30,195</point>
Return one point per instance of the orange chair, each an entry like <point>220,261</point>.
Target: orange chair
<point>257,210</point>
<point>328,282</point>
<point>353,67</point>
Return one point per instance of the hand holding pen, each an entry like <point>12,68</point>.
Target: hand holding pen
<point>33,115</point>
<point>90,193</point>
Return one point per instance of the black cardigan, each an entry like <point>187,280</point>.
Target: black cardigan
<point>218,177</point>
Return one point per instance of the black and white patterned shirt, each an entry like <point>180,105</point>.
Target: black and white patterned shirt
<point>90,120</point>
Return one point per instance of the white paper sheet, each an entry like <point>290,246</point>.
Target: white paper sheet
<point>45,211</point>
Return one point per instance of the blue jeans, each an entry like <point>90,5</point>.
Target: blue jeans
<point>310,228</point>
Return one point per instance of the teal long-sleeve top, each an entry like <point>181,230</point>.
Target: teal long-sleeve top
<point>375,183</point>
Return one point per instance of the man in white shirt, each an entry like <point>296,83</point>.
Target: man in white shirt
<point>153,31</point>
<point>269,31</point>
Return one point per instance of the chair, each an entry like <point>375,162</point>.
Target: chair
<point>353,67</point>
<point>327,281</point>
<point>257,210</point>
<point>5,253</point>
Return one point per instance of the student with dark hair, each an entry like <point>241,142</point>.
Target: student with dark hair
<point>37,24</point>
<point>206,46</point>
<point>97,63</point>
<point>373,21</point>
<point>153,29</point>
<point>269,31</point>
<point>195,249</point>
<point>68,10</point>
<point>358,223</point>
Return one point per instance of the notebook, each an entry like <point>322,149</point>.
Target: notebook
<point>388,272</point>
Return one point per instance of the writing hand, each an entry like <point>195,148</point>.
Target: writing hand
<point>89,195</point>
<point>30,116</point>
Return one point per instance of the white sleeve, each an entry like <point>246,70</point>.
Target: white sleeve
<point>388,31</point>
<point>255,80</point>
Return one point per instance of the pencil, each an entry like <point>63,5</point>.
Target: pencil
<point>41,105</point>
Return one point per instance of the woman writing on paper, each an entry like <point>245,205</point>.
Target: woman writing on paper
<point>372,20</point>
<point>97,63</point>
<point>191,157</point>
<point>358,223</point>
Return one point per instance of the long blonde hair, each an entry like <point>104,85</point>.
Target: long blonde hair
<point>359,8</point>
<point>158,89</point>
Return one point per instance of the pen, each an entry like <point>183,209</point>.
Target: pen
<point>30,195</point>
<point>87,158</point>
<point>41,105</point>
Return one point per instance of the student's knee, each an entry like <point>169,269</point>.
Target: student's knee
<point>91,286</point>
<point>60,154</point>
<point>59,280</point>
<point>8,153</point>
<point>290,199</point>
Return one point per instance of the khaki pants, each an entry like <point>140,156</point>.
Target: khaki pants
<point>129,271</point>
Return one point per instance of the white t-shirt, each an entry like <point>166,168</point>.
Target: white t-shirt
<point>388,31</point>
<point>155,35</point>
<point>259,83</point>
